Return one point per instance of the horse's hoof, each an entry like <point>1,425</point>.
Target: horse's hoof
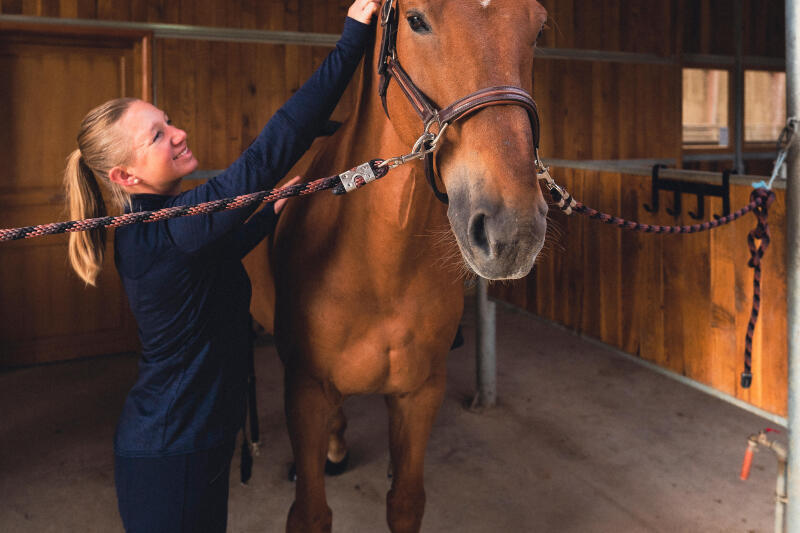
<point>331,468</point>
<point>335,469</point>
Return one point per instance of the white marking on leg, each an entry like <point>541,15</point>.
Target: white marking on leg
<point>485,3</point>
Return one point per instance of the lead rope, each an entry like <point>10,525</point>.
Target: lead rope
<point>760,233</point>
<point>348,181</point>
<point>760,199</point>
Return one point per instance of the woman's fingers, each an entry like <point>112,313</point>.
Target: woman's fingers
<point>363,10</point>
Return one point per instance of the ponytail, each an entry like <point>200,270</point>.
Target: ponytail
<point>84,200</point>
<point>101,146</point>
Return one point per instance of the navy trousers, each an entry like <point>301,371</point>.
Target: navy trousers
<point>175,494</point>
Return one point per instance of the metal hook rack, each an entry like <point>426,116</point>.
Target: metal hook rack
<point>701,190</point>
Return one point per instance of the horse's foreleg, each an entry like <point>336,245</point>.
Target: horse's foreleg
<point>308,413</point>
<point>337,446</point>
<point>411,417</point>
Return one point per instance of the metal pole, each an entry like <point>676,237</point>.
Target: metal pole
<point>738,88</point>
<point>486,360</point>
<point>793,267</point>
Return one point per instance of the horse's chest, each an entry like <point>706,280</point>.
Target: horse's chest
<point>385,363</point>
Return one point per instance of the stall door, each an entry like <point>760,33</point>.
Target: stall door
<point>47,84</point>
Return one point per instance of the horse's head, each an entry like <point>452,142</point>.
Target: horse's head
<point>450,49</point>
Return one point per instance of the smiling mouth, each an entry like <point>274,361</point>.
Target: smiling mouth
<point>183,153</point>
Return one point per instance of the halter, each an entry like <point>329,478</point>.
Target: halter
<point>389,67</point>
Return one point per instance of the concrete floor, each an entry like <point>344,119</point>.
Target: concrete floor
<point>583,440</point>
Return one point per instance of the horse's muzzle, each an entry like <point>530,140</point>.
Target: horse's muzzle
<point>498,241</point>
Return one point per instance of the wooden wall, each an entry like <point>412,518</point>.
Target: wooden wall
<point>708,27</point>
<point>680,301</point>
<point>640,26</point>
<point>626,111</point>
<point>605,109</point>
<point>291,15</point>
<point>221,93</point>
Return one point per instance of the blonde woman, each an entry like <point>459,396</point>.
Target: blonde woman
<point>187,287</point>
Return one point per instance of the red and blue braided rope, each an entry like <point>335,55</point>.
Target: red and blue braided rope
<point>760,199</point>
<point>300,189</point>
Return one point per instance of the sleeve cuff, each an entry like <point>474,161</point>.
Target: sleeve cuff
<point>355,33</point>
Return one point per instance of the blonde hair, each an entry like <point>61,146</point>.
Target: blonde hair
<point>101,147</point>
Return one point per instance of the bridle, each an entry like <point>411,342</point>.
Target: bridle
<point>437,120</point>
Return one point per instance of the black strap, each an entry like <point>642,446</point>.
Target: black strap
<point>430,174</point>
<point>388,42</point>
<point>251,414</point>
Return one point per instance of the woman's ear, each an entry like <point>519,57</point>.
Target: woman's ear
<point>121,177</point>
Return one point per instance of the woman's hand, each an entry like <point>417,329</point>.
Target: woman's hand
<point>362,10</point>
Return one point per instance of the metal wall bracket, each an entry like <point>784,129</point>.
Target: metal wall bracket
<point>701,190</point>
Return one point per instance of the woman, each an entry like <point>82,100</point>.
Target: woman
<point>187,287</point>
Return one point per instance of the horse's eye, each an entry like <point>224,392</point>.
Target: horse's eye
<point>418,23</point>
<point>539,36</point>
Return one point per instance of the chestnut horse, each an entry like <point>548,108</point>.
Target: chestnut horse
<point>368,292</point>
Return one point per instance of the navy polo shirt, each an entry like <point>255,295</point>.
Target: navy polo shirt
<point>187,287</point>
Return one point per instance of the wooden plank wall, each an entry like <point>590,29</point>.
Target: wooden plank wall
<point>708,27</point>
<point>640,26</point>
<point>627,111</point>
<point>604,109</point>
<point>220,93</point>
<point>47,313</point>
<point>290,15</point>
<point>680,301</point>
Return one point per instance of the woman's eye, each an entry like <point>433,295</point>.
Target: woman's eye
<point>157,136</point>
<point>418,24</point>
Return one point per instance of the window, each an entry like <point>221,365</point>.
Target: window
<point>764,105</point>
<point>705,107</point>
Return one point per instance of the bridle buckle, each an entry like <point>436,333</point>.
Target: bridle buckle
<point>386,12</point>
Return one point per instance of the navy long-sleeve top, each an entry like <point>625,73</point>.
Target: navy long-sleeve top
<point>189,291</point>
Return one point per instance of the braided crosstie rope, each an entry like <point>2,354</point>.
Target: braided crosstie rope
<point>760,200</point>
<point>300,189</point>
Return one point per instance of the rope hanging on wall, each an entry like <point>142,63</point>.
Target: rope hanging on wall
<point>760,200</point>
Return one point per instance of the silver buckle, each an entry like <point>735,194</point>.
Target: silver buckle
<point>349,177</point>
<point>386,12</point>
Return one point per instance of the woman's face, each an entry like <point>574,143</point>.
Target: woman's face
<point>161,156</point>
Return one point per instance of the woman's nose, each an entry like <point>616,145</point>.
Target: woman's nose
<point>178,135</point>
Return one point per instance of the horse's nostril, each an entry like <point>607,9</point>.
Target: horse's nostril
<point>477,233</point>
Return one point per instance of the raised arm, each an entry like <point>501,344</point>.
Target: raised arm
<point>284,139</point>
